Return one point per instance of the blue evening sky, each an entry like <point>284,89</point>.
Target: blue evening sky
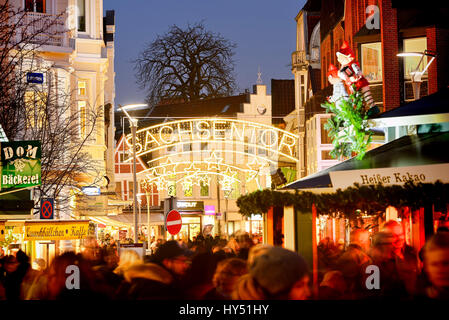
<point>264,31</point>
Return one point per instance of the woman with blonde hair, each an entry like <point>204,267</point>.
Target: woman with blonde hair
<point>128,258</point>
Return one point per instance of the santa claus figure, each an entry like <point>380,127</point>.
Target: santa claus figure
<point>339,91</point>
<point>351,73</point>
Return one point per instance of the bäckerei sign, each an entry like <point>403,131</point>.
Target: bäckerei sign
<point>20,164</point>
<point>390,176</point>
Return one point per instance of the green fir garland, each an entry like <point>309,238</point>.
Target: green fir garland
<point>370,200</point>
<point>348,127</point>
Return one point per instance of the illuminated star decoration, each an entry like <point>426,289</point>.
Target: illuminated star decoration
<point>213,162</point>
<point>191,170</point>
<point>165,166</point>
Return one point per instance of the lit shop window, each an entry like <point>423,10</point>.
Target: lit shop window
<point>372,61</point>
<point>410,63</point>
<point>204,189</point>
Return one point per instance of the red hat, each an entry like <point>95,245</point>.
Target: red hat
<point>332,71</point>
<point>346,50</point>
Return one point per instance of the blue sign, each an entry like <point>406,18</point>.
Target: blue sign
<point>47,208</point>
<point>33,77</point>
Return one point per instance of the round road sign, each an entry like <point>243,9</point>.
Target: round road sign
<point>173,222</point>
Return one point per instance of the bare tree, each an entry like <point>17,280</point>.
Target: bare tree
<point>186,64</point>
<point>21,36</point>
<point>47,112</point>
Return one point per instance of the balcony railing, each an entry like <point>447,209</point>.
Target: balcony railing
<point>45,29</point>
<point>299,59</point>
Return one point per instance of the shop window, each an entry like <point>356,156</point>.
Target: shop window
<point>81,14</point>
<point>372,61</point>
<point>410,63</point>
<point>35,6</point>
<point>204,189</point>
<point>188,190</point>
<point>325,155</point>
<point>131,189</point>
<point>325,139</point>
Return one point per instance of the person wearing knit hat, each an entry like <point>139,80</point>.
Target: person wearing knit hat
<point>276,274</point>
<point>351,73</point>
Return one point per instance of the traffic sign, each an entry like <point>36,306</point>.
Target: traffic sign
<point>47,208</point>
<point>173,222</point>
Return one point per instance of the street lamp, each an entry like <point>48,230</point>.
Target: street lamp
<point>133,125</point>
<point>416,75</point>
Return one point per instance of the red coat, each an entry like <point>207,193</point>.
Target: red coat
<point>352,74</point>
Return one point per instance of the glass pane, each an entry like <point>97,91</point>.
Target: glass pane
<point>371,61</point>
<point>81,8</point>
<point>411,63</point>
<point>82,88</point>
<point>171,186</point>
<point>204,189</point>
<point>324,134</point>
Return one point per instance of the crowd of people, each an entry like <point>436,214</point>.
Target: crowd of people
<point>207,268</point>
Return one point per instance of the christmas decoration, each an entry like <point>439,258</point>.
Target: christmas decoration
<point>351,202</point>
<point>348,127</point>
<point>352,75</point>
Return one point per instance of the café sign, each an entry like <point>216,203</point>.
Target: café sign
<point>56,230</point>
<point>20,164</point>
<point>390,176</point>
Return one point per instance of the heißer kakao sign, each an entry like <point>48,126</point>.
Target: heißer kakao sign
<point>20,164</point>
<point>391,176</point>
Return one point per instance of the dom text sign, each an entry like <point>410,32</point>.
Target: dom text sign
<point>57,230</point>
<point>20,164</point>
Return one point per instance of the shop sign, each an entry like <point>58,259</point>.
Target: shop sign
<point>390,176</point>
<point>209,210</point>
<point>20,164</point>
<point>57,230</point>
<point>187,205</point>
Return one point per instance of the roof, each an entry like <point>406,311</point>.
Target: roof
<point>412,150</point>
<point>225,106</point>
<point>282,98</point>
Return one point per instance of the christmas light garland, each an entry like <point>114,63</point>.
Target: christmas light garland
<point>367,200</point>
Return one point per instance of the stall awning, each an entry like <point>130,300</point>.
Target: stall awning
<point>415,150</point>
<point>430,109</point>
<point>127,220</point>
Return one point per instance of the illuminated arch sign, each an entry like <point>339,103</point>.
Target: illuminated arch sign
<point>244,136</point>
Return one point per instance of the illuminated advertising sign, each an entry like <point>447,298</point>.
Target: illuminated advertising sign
<point>20,164</point>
